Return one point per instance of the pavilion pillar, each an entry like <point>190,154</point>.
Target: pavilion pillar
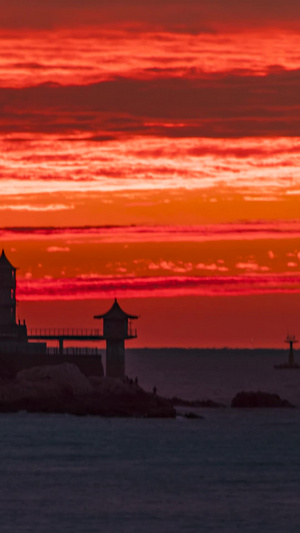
<point>61,345</point>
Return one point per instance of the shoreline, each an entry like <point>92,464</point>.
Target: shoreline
<point>64,389</point>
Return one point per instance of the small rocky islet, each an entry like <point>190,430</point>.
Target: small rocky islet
<point>259,399</point>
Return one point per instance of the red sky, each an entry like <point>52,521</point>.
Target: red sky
<point>151,151</point>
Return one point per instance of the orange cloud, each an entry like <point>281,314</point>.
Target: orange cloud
<point>259,230</point>
<point>54,249</point>
<point>33,208</point>
<point>258,168</point>
<point>84,57</point>
<point>170,131</point>
<point>83,288</point>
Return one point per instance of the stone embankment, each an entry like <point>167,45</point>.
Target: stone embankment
<point>64,389</point>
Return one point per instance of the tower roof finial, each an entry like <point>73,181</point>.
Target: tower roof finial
<point>4,262</point>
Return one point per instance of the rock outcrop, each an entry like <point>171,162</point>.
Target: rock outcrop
<point>64,389</point>
<point>259,399</point>
<point>179,402</point>
<point>191,416</point>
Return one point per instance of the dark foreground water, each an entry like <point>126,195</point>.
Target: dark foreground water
<point>236,470</point>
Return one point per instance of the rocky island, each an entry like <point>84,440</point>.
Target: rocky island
<point>65,389</point>
<point>259,399</point>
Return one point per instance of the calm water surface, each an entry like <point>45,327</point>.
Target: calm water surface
<point>232,471</point>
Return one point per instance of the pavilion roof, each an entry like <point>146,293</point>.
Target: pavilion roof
<point>116,312</point>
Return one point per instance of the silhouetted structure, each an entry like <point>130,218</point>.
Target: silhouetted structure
<point>290,339</point>
<point>117,327</point>
<point>11,333</point>
<point>16,352</point>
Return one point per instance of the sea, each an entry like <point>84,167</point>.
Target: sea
<point>233,470</point>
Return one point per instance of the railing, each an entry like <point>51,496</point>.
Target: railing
<point>65,332</point>
<point>132,332</point>
<point>56,333</point>
<point>74,350</point>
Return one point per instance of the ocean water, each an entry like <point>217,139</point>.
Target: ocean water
<point>214,374</point>
<point>234,470</point>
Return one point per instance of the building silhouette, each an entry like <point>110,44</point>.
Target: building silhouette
<point>18,351</point>
<point>291,340</point>
<point>12,335</point>
<point>117,327</point>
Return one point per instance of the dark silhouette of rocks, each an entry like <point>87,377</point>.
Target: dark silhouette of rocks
<point>179,402</point>
<point>64,389</point>
<point>192,416</point>
<point>259,399</point>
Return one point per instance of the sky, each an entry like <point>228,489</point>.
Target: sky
<point>151,152</point>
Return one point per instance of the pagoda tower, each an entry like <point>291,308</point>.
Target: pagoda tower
<point>7,293</point>
<point>117,327</point>
<point>9,329</point>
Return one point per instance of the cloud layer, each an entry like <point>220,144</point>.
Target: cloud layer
<point>151,149</point>
<point>103,288</point>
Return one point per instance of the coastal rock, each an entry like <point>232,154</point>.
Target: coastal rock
<point>64,389</point>
<point>179,402</point>
<point>66,377</point>
<point>259,399</point>
<point>107,385</point>
<point>191,415</point>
